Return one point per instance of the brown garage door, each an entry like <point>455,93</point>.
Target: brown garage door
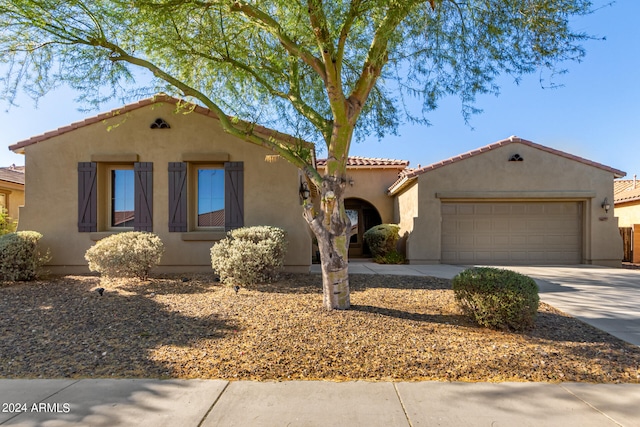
<point>512,233</point>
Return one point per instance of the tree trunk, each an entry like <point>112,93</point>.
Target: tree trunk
<point>331,225</point>
<point>335,271</point>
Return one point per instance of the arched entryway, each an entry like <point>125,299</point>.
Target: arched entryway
<point>363,216</point>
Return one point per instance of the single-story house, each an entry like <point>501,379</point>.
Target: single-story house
<point>181,176</point>
<point>145,167</point>
<point>12,190</point>
<point>626,200</point>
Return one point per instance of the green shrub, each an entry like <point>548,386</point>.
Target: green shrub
<point>250,255</point>
<point>382,239</point>
<point>392,257</point>
<point>7,225</point>
<point>128,254</point>
<point>20,257</point>
<point>496,298</point>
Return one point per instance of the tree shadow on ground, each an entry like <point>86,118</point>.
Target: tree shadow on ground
<point>300,283</point>
<point>448,319</point>
<point>65,329</point>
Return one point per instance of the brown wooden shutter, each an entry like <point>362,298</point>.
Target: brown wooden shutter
<point>143,194</point>
<point>177,197</point>
<point>233,195</point>
<point>87,197</point>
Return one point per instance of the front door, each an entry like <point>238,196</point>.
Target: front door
<point>363,216</point>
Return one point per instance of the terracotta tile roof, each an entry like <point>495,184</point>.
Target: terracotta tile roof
<point>18,147</point>
<point>626,190</point>
<point>121,218</point>
<point>211,219</point>
<point>620,185</point>
<point>369,162</point>
<point>13,174</point>
<point>406,177</point>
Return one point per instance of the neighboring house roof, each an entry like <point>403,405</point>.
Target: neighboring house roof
<point>409,176</point>
<point>211,219</point>
<point>369,163</point>
<point>13,174</point>
<point>122,217</point>
<point>626,190</point>
<point>18,147</point>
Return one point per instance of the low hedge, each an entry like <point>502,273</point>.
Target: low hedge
<point>497,298</point>
<point>250,255</point>
<point>382,239</point>
<point>20,256</point>
<point>128,254</point>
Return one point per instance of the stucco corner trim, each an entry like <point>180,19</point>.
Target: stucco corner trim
<point>581,195</point>
<point>203,236</point>
<point>205,157</point>
<point>115,158</point>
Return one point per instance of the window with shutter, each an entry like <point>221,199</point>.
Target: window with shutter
<point>234,195</point>
<point>143,194</point>
<point>212,193</point>
<point>122,201</point>
<point>177,197</point>
<point>87,197</point>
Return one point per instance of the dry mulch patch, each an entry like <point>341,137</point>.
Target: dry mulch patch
<point>399,329</point>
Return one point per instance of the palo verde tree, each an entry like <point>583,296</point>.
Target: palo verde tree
<point>325,71</point>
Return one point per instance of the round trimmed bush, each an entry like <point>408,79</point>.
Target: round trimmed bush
<point>497,298</point>
<point>128,254</point>
<point>250,255</point>
<point>382,239</point>
<point>20,257</point>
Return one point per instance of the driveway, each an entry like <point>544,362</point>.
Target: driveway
<point>607,298</point>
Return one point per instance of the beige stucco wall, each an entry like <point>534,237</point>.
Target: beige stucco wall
<point>371,185</point>
<point>14,196</point>
<point>491,177</point>
<point>406,213</point>
<point>628,214</point>
<point>51,206</point>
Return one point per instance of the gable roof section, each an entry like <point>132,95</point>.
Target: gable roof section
<point>369,163</point>
<point>14,174</point>
<point>18,147</point>
<point>409,176</point>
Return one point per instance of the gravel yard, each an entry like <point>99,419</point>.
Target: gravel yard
<point>399,329</point>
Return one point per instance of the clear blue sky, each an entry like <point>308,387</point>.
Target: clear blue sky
<point>595,115</point>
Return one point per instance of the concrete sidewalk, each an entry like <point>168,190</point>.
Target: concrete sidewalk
<point>209,403</point>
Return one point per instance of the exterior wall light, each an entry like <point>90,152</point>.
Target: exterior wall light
<point>351,182</point>
<point>304,191</point>
<point>605,205</point>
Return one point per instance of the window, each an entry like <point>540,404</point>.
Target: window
<point>210,198</point>
<point>115,196</point>
<point>121,210</point>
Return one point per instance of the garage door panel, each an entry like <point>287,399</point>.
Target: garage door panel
<point>466,226</point>
<point>503,209</point>
<point>535,209</point>
<point>534,240</point>
<point>465,210</point>
<point>512,233</point>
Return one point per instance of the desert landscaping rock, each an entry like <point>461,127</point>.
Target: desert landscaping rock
<point>399,329</point>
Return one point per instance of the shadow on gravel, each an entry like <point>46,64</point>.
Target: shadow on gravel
<point>448,319</point>
<point>65,329</point>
